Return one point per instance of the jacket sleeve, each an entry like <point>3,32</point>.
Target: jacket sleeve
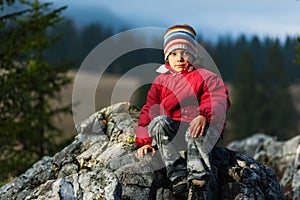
<point>150,110</point>
<point>214,100</point>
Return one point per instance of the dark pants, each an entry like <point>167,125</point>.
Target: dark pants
<point>172,138</point>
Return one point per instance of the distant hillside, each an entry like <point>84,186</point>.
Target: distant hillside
<point>84,16</point>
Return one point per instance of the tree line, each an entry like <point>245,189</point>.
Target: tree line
<point>39,46</point>
<point>226,51</point>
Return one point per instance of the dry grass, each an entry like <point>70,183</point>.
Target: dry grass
<point>102,97</point>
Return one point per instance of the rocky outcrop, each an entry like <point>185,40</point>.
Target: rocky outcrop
<point>101,163</point>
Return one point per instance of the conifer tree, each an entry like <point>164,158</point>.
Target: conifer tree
<point>242,113</point>
<point>276,111</point>
<point>297,59</point>
<point>29,84</point>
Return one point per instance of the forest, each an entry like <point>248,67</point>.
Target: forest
<point>39,46</point>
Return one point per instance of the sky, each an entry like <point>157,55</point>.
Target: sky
<point>211,18</point>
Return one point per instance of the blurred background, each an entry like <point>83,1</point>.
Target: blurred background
<point>255,45</point>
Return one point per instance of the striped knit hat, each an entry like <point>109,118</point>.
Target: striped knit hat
<point>180,37</point>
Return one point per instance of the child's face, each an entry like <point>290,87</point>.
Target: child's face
<point>179,59</point>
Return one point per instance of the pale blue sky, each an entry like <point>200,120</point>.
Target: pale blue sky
<point>211,18</point>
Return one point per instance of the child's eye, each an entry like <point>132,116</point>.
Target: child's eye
<point>185,53</point>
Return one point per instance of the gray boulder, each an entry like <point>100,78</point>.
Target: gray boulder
<point>101,163</point>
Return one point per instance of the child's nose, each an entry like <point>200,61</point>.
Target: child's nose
<point>180,57</point>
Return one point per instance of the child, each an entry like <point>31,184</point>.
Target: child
<point>185,110</point>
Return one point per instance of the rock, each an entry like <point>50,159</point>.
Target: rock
<point>283,156</point>
<point>101,163</point>
<point>22,186</point>
<point>242,177</point>
<point>100,184</point>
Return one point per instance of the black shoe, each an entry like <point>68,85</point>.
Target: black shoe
<point>180,188</point>
<point>197,190</point>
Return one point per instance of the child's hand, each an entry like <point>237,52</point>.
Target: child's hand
<point>197,126</point>
<point>144,150</point>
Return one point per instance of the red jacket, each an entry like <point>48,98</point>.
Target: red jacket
<point>183,96</point>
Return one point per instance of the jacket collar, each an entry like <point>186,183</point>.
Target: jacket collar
<point>162,69</point>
